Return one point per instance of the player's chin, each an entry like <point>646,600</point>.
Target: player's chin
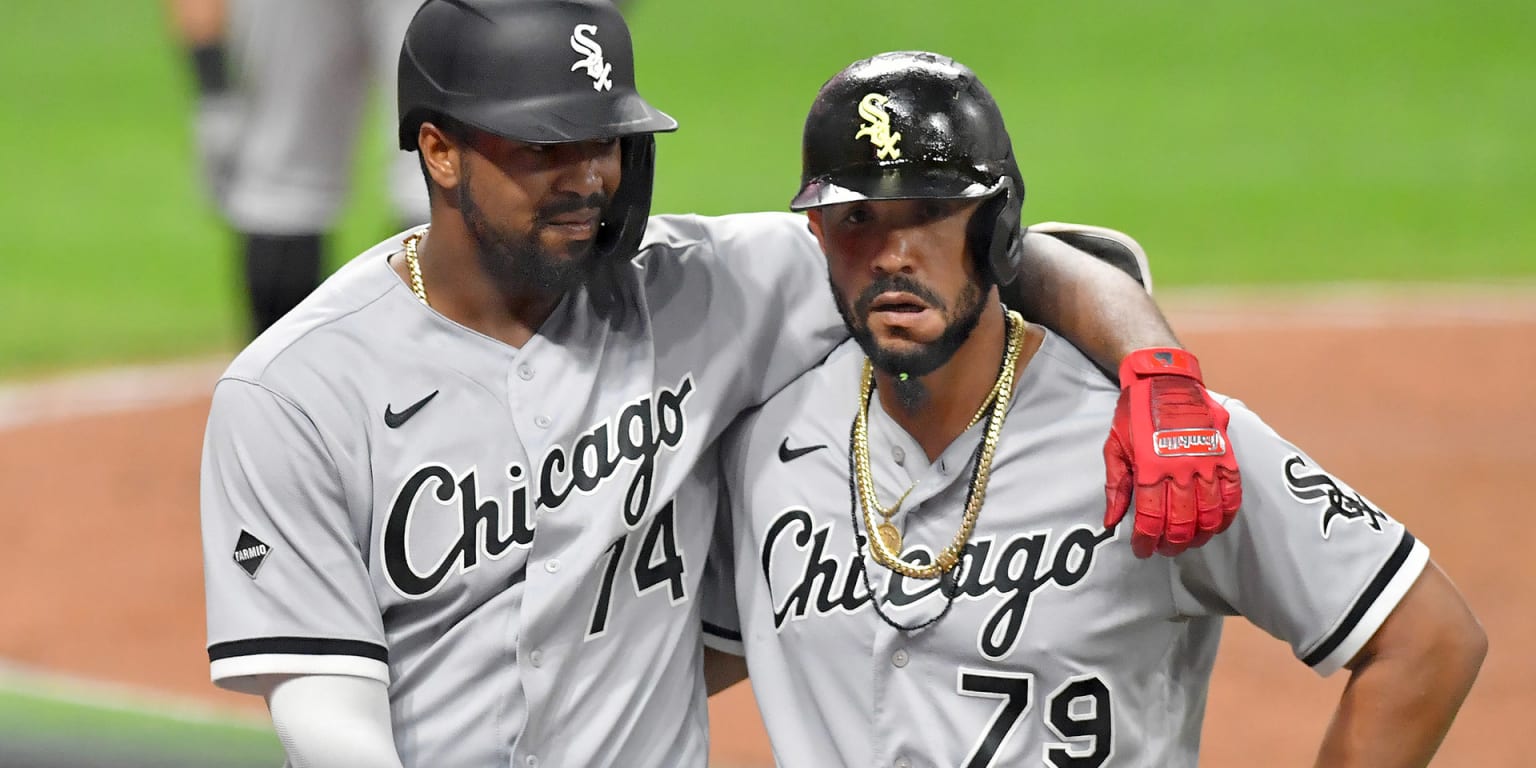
<point>900,354</point>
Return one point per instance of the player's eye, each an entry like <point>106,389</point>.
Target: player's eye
<point>857,213</point>
<point>933,210</point>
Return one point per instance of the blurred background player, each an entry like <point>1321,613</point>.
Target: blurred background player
<point>200,25</point>
<point>283,86</point>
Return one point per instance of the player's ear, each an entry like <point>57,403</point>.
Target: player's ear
<point>441,154</point>
<point>813,223</point>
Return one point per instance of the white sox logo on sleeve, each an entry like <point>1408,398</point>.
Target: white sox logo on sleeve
<point>489,527</point>
<point>1341,500</point>
<point>1013,569</point>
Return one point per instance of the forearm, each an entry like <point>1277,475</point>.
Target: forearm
<point>1099,308</point>
<point>333,721</point>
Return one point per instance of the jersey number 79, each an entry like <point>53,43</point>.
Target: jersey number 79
<point>1077,712</point>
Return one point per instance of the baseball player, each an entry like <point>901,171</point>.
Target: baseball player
<point>456,505</point>
<point>200,26</point>
<point>919,575</point>
<point>276,127</point>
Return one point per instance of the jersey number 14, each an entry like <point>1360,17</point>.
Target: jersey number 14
<point>658,563</point>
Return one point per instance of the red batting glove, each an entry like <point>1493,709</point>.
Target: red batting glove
<point>1169,442</point>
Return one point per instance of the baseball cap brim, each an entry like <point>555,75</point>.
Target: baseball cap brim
<point>890,182</point>
<point>567,118</point>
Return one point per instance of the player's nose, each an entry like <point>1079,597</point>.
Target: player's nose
<point>897,253</point>
<point>586,169</point>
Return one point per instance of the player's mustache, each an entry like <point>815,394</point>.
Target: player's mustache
<point>900,283</point>
<point>571,203</point>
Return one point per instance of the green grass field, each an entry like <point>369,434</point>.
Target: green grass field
<point>49,723</point>
<point>1292,141</point>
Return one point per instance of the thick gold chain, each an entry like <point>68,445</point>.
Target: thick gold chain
<point>991,398</point>
<point>414,264</point>
<point>881,549</point>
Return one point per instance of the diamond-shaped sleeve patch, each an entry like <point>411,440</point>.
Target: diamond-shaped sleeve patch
<point>250,552</point>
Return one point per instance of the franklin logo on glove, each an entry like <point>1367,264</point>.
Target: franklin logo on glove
<point>1189,442</point>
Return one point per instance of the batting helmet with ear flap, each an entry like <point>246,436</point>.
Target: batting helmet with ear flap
<point>540,72</point>
<point>912,124</point>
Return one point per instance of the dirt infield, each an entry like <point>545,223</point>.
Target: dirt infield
<point>1425,407</point>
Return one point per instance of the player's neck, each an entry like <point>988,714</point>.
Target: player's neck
<point>458,288</point>
<point>957,389</point>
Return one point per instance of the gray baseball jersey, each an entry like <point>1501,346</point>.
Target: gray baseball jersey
<point>512,539</point>
<point>1062,648</point>
<point>306,72</point>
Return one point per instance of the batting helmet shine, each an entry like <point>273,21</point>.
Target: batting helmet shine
<point>912,124</point>
<point>541,72</point>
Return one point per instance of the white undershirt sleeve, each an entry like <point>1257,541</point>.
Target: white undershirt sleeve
<point>332,721</point>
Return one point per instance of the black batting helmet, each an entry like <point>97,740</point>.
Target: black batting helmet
<point>541,72</point>
<point>912,124</point>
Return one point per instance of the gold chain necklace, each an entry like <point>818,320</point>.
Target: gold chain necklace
<point>886,529</point>
<point>991,397</point>
<point>413,263</point>
<point>885,539</point>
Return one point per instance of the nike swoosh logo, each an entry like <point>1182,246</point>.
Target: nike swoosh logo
<point>394,420</point>
<point>788,454</point>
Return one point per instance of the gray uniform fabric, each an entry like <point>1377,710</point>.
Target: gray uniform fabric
<point>306,71</point>
<point>511,539</point>
<point>1062,648</point>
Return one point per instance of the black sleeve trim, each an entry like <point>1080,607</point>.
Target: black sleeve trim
<point>1372,591</point>
<point>722,632</point>
<point>297,646</point>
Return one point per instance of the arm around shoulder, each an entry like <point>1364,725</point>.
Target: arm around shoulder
<point>1408,681</point>
<point>1095,299</point>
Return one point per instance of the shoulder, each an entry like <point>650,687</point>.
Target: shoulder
<point>1062,359</point>
<point>734,265</point>
<point>670,237</point>
<point>1062,385</point>
<point>818,391</point>
<point>1251,436</point>
<point>332,325</point>
<point>822,400</point>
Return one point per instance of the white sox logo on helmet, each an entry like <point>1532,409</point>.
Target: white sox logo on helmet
<point>592,57</point>
<point>878,129</point>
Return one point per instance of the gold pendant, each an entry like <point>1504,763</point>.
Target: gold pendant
<point>890,537</point>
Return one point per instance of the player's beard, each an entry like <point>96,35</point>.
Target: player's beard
<point>517,261</point>
<point>926,358</point>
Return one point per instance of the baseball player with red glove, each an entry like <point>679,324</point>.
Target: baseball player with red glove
<point>907,553</point>
<point>456,505</point>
